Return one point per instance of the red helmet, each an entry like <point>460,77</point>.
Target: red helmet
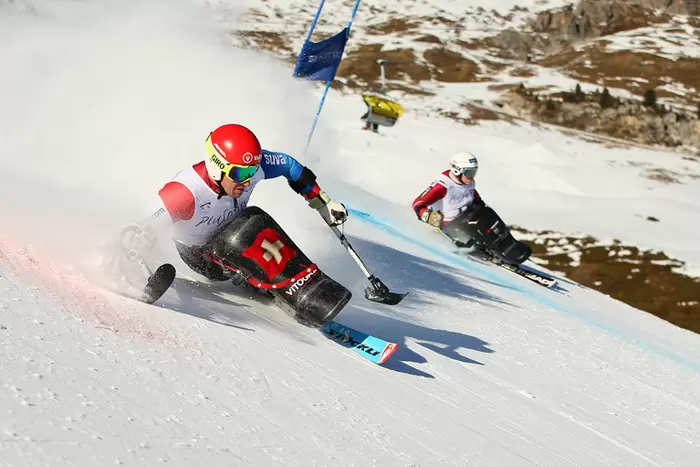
<point>233,150</point>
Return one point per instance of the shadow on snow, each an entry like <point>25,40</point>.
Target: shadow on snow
<point>427,281</point>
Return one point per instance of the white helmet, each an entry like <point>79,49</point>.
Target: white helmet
<point>464,163</point>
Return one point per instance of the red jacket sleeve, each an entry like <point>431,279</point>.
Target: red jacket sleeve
<point>430,196</point>
<point>178,200</point>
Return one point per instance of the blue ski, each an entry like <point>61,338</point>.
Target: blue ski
<point>372,348</point>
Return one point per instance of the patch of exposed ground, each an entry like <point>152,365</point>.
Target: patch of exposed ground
<point>648,170</point>
<point>480,113</point>
<point>633,71</point>
<point>429,38</point>
<point>670,176</point>
<point>359,67</point>
<point>394,26</point>
<point>450,67</point>
<point>647,280</point>
<point>476,114</point>
<point>263,40</point>
<point>523,72</point>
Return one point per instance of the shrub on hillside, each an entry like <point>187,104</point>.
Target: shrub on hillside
<point>606,100</point>
<point>650,98</point>
<point>570,97</point>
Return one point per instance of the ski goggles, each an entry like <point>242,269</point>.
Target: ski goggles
<point>240,173</point>
<point>469,172</point>
<point>235,172</point>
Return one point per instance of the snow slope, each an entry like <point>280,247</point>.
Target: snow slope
<point>103,100</point>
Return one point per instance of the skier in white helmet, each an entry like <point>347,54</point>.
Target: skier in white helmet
<point>451,194</point>
<point>452,205</point>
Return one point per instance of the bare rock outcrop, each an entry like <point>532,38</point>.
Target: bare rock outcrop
<point>551,30</point>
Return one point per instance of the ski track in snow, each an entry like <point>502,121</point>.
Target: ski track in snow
<point>545,298</point>
<point>75,293</point>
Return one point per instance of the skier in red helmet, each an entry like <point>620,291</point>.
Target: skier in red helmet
<point>202,200</point>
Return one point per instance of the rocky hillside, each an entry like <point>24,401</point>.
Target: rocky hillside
<point>645,122</point>
<point>626,46</point>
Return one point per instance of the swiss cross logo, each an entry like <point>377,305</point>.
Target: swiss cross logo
<point>270,253</point>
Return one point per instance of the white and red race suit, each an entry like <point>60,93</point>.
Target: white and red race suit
<point>191,201</point>
<point>192,210</point>
<point>447,196</point>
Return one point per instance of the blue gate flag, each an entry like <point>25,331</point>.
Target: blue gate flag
<point>319,61</point>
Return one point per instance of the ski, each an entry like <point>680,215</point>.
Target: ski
<point>158,283</point>
<point>372,348</point>
<point>527,273</point>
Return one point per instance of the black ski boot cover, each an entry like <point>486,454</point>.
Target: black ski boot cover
<point>257,245</point>
<point>483,226</point>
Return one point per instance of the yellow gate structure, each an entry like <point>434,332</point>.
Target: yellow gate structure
<point>381,109</point>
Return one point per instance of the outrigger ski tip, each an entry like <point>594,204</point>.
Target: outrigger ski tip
<point>380,293</point>
<point>158,283</point>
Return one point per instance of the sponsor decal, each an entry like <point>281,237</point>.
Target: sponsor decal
<point>275,159</point>
<point>206,207</point>
<point>219,163</point>
<point>247,158</point>
<point>458,198</point>
<point>543,280</point>
<point>158,213</point>
<point>495,227</point>
<point>537,278</point>
<point>270,252</point>
<point>216,221</point>
<point>335,55</point>
<point>353,343</point>
<point>299,284</point>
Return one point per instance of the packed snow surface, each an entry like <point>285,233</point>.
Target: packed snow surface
<point>102,101</point>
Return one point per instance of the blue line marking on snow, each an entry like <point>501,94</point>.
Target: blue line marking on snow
<point>535,294</point>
